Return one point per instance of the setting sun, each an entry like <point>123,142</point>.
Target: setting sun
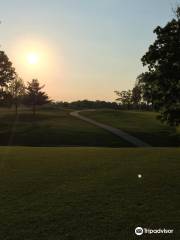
<point>32,58</point>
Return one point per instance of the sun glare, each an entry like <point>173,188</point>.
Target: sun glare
<point>32,58</point>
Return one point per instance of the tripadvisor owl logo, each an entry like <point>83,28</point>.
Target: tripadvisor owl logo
<point>139,231</point>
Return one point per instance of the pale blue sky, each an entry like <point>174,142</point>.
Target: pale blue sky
<point>92,47</point>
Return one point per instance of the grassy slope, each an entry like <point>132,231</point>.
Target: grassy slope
<point>52,128</point>
<point>87,193</point>
<point>140,124</point>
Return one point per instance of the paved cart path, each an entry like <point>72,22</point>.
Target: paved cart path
<point>133,140</point>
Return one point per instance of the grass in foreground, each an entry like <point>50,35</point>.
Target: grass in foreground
<point>143,125</point>
<point>87,193</point>
<point>52,128</point>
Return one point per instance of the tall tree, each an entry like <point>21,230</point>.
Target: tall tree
<point>7,74</point>
<point>17,91</point>
<point>161,83</point>
<point>136,95</point>
<point>34,96</point>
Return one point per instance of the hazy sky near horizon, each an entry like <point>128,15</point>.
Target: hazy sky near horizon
<point>87,49</point>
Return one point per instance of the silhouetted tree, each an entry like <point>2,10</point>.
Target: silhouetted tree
<point>136,95</point>
<point>161,83</point>
<point>17,90</point>
<point>124,98</point>
<point>34,96</point>
<point>145,81</point>
<point>7,74</point>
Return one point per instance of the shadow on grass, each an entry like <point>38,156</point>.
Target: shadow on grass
<point>52,129</point>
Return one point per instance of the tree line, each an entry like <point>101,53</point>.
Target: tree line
<point>84,104</point>
<point>14,92</point>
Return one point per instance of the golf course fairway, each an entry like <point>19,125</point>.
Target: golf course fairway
<point>87,193</point>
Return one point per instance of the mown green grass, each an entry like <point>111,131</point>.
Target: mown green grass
<point>88,193</point>
<point>52,128</point>
<point>143,125</point>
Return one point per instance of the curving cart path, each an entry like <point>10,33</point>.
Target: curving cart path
<point>133,140</point>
